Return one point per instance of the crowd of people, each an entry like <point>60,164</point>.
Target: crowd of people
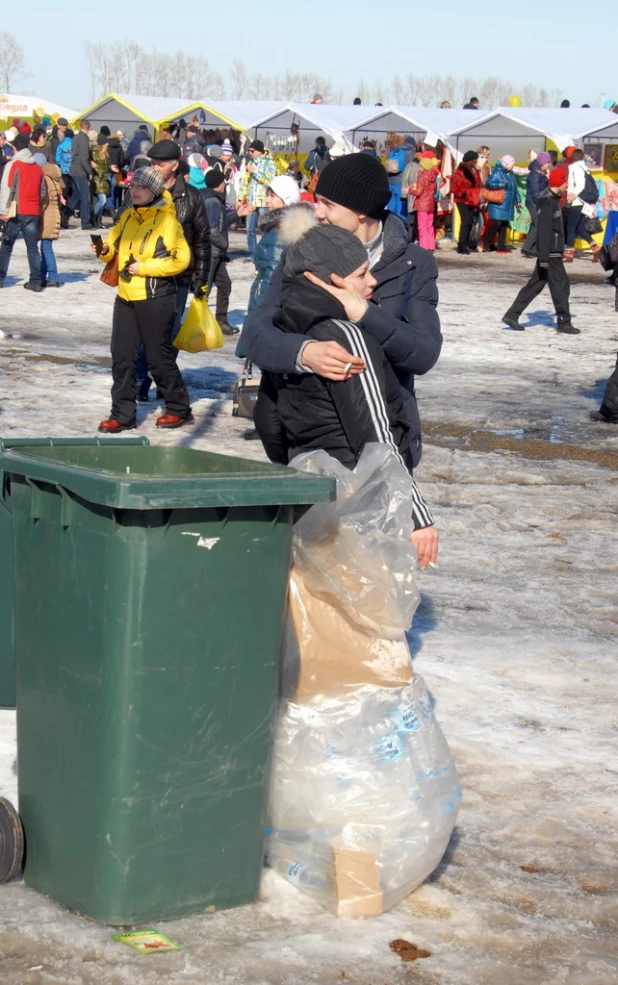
<point>172,203</point>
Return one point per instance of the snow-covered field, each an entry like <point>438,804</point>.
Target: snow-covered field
<point>516,638</point>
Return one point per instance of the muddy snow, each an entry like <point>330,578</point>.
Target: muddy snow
<point>516,637</point>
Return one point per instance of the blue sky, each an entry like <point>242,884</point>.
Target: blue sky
<point>346,42</point>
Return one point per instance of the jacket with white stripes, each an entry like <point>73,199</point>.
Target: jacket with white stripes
<point>302,412</point>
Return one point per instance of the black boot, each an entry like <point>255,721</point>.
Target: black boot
<point>513,323</point>
<point>567,329</point>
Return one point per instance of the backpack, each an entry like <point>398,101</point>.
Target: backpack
<point>589,193</point>
<point>396,161</point>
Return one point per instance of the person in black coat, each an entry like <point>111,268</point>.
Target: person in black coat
<point>300,412</point>
<point>550,264</point>
<point>537,183</point>
<point>218,218</point>
<point>402,315</point>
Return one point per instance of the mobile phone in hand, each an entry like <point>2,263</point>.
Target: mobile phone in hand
<point>98,243</point>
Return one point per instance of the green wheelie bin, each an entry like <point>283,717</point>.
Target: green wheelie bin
<point>7,656</point>
<point>149,602</point>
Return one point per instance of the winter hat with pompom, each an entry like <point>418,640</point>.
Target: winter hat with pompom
<point>318,249</point>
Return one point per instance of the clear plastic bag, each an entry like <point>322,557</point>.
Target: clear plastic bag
<point>371,775</point>
<point>365,792</point>
<point>357,549</point>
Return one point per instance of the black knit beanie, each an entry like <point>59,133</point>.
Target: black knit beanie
<point>358,182</point>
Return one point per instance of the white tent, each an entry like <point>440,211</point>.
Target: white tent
<point>24,106</point>
<point>515,130</point>
<point>314,120</point>
<point>421,122</point>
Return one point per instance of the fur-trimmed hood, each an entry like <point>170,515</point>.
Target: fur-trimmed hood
<point>273,220</point>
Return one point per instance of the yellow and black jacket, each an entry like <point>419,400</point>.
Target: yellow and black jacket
<point>154,237</point>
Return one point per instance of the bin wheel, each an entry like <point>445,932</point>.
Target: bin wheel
<point>11,841</point>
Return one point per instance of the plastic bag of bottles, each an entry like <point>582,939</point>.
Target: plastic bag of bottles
<point>370,775</point>
<point>365,792</point>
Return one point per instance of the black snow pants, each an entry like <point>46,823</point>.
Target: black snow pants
<point>149,321</point>
<point>556,277</point>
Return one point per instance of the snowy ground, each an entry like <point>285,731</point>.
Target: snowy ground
<point>516,638</point>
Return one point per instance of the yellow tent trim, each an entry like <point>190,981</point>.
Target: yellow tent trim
<point>113,95</point>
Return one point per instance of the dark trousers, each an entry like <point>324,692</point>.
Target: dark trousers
<point>143,380</point>
<point>576,228</point>
<point>500,227</point>
<point>467,214</point>
<point>149,322</point>
<point>222,282</point>
<point>609,407</point>
<point>81,194</point>
<point>555,276</point>
<point>28,226</point>
<point>530,245</point>
<point>413,223</point>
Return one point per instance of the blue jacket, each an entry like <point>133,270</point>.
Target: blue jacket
<point>501,178</point>
<point>402,316</point>
<point>64,155</point>
<point>537,182</point>
<point>267,256</point>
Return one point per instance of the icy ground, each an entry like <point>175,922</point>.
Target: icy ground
<point>516,638</point>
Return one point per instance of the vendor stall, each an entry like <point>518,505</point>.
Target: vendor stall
<point>292,128</point>
<point>122,111</point>
<point>33,109</point>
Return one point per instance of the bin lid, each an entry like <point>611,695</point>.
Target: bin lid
<point>152,477</point>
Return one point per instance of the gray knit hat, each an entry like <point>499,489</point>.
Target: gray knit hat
<point>318,249</point>
<point>149,178</point>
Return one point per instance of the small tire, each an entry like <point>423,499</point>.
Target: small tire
<point>11,841</point>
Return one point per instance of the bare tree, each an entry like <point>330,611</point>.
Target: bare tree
<point>12,66</point>
<point>238,74</point>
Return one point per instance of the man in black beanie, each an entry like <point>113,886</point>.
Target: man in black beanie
<point>402,316</point>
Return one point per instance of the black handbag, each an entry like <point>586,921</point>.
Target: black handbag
<point>245,393</point>
<point>593,225</point>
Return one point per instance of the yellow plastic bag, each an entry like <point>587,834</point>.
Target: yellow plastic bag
<point>200,329</point>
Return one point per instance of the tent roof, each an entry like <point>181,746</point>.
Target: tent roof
<point>18,106</point>
<point>321,118</point>
<point>239,114</point>
<point>520,121</point>
<point>419,118</point>
<point>153,109</point>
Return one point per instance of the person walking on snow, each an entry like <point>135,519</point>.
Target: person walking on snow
<point>50,223</point>
<point>538,181</point>
<point>582,196</point>
<point>549,268</point>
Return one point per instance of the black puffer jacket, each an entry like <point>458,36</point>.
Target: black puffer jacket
<point>551,226</point>
<point>191,215</point>
<point>537,182</point>
<point>115,153</point>
<point>299,412</point>
<point>402,317</point>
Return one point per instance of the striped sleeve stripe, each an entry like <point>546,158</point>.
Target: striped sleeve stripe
<point>379,415</point>
<point>371,386</point>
